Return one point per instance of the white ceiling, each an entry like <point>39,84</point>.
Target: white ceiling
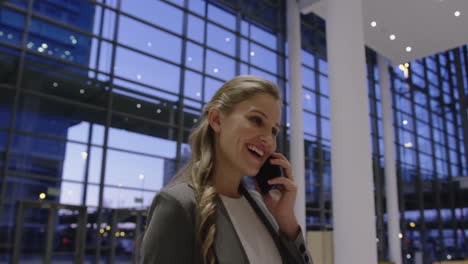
<point>428,26</point>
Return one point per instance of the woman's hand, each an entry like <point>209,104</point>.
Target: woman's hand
<point>282,208</point>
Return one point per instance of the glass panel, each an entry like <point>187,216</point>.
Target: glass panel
<point>324,106</point>
<point>221,39</point>
<point>196,29</point>
<point>37,156</point>
<point>308,58</point>
<point>197,6</point>
<point>6,101</point>
<point>79,14</point>
<point>308,78</point>
<point>121,197</point>
<point>324,89</point>
<point>58,42</point>
<point>166,16</point>
<point>217,14</point>
<point>59,119</point>
<point>142,137</point>
<point>148,39</point>
<point>71,193</point>
<point>11,26</point>
<point>326,133</point>
<point>195,57</point>
<point>219,65</point>
<point>146,172</point>
<point>63,81</point>
<point>260,35</point>
<point>310,123</point>
<point>308,100</point>
<point>263,58</point>
<point>8,68</point>
<point>74,165</point>
<point>193,85</point>
<point>211,86</point>
<point>140,68</point>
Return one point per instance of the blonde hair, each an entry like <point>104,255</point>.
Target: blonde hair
<point>202,143</point>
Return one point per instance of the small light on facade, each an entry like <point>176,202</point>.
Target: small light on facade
<point>408,49</point>
<point>82,91</point>
<point>139,76</point>
<point>215,70</point>
<point>408,145</point>
<point>101,230</point>
<point>84,154</point>
<point>407,65</point>
<point>1,33</point>
<point>10,36</point>
<point>189,58</point>
<point>392,37</point>
<point>122,233</point>
<point>307,96</point>
<point>108,228</point>
<point>373,24</point>
<point>457,13</point>
<point>195,120</point>
<point>405,122</point>
<point>449,257</point>
<point>198,94</point>
<point>138,106</point>
<point>412,225</point>
<point>252,53</point>
<point>117,234</point>
<point>287,124</point>
<point>30,45</point>
<point>55,84</point>
<point>40,49</point>
<point>228,39</point>
<point>158,111</point>
<point>149,44</point>
<point>400,235</point>
<point>42,196</point>
<point>67,53</point>
<point>141,176</point>
<point>408,256</point>
<point>44,46</point>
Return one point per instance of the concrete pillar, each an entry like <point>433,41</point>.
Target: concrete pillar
<point>354,220</point>
<point>297,128</point>
<point>391,186</point>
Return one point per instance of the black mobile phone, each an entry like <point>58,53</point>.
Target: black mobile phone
<point>267,171</point>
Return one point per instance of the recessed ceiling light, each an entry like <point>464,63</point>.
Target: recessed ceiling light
<point>392,37</point>
<point>373,24</point>
<point>408,49</point>
<point>457,13</point>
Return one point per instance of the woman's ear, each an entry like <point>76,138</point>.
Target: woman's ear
<point>214,119</point>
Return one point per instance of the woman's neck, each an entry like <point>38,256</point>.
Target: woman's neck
<point>226,181</point>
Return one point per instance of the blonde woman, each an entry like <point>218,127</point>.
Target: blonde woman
<point>207,214</point>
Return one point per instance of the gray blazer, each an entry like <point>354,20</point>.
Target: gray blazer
<point>170,235</point>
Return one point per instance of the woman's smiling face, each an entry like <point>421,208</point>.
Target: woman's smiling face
<point>246,137</point>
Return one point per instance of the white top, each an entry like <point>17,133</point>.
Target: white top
<point>254,236</point>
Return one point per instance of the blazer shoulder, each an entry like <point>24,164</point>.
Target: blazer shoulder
<point>182,193</point>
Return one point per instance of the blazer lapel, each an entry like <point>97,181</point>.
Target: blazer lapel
<point>228,246</point>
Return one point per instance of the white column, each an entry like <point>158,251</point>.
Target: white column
<point>391,190</point>
<point>296,127</point>
<point>354,234</point>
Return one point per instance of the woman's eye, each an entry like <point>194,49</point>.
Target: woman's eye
<point>274,131</point>
<point>257,120</point>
